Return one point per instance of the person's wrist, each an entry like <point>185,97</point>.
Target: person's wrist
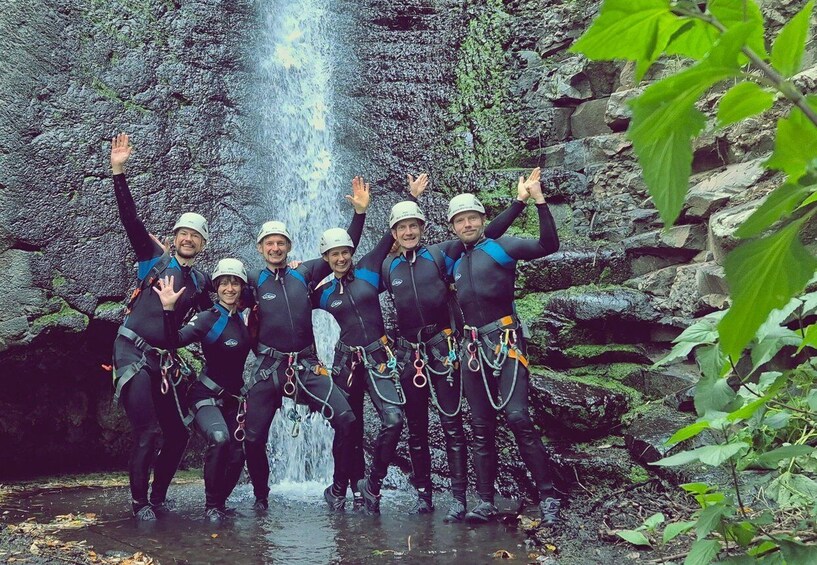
<point>541,200</point>
<point>117,169</point>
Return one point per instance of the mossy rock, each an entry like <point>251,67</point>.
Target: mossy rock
<point>62,316</point>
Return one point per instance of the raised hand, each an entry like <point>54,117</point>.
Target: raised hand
<point>167,295</point>
<point>165,245</point>
<point>417,186</point>
<point>530,187</point>
<point>360,196</point>
<point>120,152</point>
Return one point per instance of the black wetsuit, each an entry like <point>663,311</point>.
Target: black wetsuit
<point>353,301</point>
<point>285,326</point>
<point>154,417</point>
<point>421,299</point>
<point>213,398</point>
<point>484,277</point>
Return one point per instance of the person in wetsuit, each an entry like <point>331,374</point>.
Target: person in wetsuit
<point>214,399</point>
<point>419,280</point>
<point>287,360</point>
<point>364,360</point>
<point>492,355</point>
<point>143,380</point>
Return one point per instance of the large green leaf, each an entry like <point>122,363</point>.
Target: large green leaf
<point>778,204</point>
<point>665,121</point>
<point>712,455</point>
<point>747,410</point>
<point>810,339</point>
<point>771,458</point>
<point>675,529</point>
<point>771,345</point>
<point>787,51</point>
<point>637,30</point>
<point>712,393</point>
<point>702,552</point>
<point>763,275</point>
<point>732,13</point>
<point>795,146</point>
<point>634,537</point>
<point>741,101</point>
<point>797,553</point>
<point>709,519</point>
<point>687,432</point>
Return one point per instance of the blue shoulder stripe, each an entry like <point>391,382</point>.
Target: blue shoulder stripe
<point>328,291</point>
<point>396,263</point>
<point>262,277</point>
<point>496,252</point>
<point>217,329</point>
<point>369,276</point>
<point>425,254</point>
<point>455,266</point>
<point>144,267</point>
<point>297,274</point>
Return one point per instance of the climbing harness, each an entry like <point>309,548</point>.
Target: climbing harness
<point>363,355</point>
<point>220,393</point>
<point>297,364</point>
<point>424,372</point>
<point>500,338</point>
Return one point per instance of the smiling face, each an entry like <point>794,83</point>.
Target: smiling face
<point>228,288</point>
<point>188,243</point>
<point>274,249</point>
<point>339,259</point>
<point>468,226</point>
<point>407,233</point>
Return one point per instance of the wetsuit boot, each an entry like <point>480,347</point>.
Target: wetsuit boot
<point>371,497</point>
<point>424,503</point>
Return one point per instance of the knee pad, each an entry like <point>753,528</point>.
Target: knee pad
<point>520,421</point>
<point>393,420</point>
<point>218,437</point>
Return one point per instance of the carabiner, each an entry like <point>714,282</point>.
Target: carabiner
<point>165,386</point>
<point>289,387</point>
<point>419,379</point>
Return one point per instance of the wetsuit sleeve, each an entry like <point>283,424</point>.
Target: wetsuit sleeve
<point>140,239</point>
<point>547,243</point>
<point>315,270</point>
<point>194,331</point>
<point>499,225</point>
<point>373,260</point>
<point>355,230</point>
<point>452,249</point>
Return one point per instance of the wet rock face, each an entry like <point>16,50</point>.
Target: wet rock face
<point>172,75</point>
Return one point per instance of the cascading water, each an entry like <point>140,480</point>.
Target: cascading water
<point>301,165</point>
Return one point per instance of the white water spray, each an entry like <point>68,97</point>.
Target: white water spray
<point>302,188</point>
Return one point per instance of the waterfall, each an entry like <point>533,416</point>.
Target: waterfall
<point>300,168</point>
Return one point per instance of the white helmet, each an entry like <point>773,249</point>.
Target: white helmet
<point>194,222</point>
<point>232,267</point>
<point>273,228</point>
<point>335,237</point>
<point>464,203</point>
<point>405,210</point>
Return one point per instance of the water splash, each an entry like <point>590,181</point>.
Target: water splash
<point>301,163</point>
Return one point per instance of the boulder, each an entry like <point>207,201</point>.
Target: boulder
<point>589,119</point>
<point>710,194</point>
<point>579,409</point>
<point>722,226</point>
<point>618,113</point>
<point>581,154</point>
<point>565,269</point>
<point>689,238</point>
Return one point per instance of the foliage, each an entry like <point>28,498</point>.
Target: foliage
<point>760,420</point>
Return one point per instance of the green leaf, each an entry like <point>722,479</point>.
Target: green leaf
<point>772,344</point>
<point>637,30</point>
<point>748,410</point>
<point>712,361</point>
<point>734,13</point>
<point>651,522</point>
<point>675,529</point>
<point>787,51</point>
<point>763,275</point>
<point>714,455</point>
<point>687,432</point>
<point>762,548</point>
<point>778,204</point>
<point>634,537</point>
<point>702,552</point>
<point>743,100</point>
<point>681,458</point>
<point>665,121</point>
<point>795,146</point>
<point>696,488</point>
<point>810,338</point>
<point>798,553</point>
<point>773,457</point>
<point>709,519</point>
<point>776,318</point>
<point>743,532</point>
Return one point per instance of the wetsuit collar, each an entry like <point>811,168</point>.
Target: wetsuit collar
<point>224,310</point>
<point>183,262</point>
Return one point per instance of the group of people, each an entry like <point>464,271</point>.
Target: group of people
<point>457,338</point>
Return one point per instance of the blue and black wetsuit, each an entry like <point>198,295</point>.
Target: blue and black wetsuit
<point>364,359</point>
<point>137,365</point>
<point>422,300</point>
<point>286,340</point>
<point>493,362</point>
<point>213,398</point>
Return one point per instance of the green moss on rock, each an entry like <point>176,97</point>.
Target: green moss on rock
<point>62,316</point>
